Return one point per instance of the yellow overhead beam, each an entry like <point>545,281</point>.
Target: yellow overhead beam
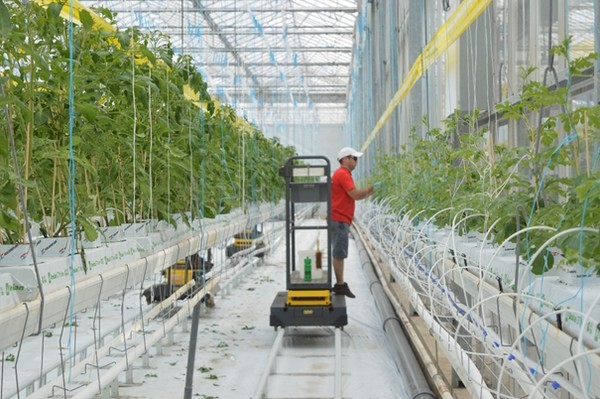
<point>466,13</point>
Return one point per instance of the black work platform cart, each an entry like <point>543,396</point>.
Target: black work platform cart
<point>308,300</point>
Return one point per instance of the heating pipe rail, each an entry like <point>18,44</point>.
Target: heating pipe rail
<point>263,383</point>
<point>402,353</point>
<point>462,364</point>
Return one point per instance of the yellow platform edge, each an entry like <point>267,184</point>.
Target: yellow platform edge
<point>308,298</point>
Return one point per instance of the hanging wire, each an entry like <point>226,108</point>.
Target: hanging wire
<point>168,144</point>
<point>72,203</point>
<point>134,132</point>
<point>151,133</point>
<point>425,41</point>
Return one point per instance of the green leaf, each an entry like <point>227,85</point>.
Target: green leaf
<point>585,188</point>
<point>88,111</point>
<point>90,231</point>
<point>5,22</point>
<point>54,10</point>
<point>148,54</point>
<point>86,19</point>
<point>124,39</point>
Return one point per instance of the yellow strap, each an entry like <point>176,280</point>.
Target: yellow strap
<point>466,13</point>
<point>99,22</point>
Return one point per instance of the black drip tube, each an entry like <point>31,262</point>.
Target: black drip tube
<point>402,353</point>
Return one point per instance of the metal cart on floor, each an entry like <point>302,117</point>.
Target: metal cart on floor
<point>308,300</point>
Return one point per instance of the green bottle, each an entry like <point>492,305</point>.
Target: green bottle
<point>307,269</point>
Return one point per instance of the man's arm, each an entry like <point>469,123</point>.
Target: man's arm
<point>362,193</point>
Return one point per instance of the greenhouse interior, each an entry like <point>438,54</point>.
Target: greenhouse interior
<point>168,185</point>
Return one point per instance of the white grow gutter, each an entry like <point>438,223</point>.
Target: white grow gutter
<point>24,319</point>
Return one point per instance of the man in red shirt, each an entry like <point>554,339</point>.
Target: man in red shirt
<point>343,196</point>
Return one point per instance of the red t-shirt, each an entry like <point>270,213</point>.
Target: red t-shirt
<point>342,204</point>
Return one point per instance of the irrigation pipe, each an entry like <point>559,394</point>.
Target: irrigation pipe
<point>558,365</point>
<point>404,356</point>
<point>463,365</point>
<point>580,337</point>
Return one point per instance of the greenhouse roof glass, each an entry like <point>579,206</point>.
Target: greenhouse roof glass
<point>263,53</point>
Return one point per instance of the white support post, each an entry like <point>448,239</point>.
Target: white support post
<point>129,375</point>
<point>171,337</point>
<point>563,29</point>
<point>114,388</point>
<point>159,348</point>
<point>105,394</point>
<point>512,78</point>
<point>533,45</point>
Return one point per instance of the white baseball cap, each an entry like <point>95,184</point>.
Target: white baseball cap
<point>348,151</point>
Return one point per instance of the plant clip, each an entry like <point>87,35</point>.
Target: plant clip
<point>464,256</point>
<point>453,256</point>
<point>558,318</point>
<point>500,288</point>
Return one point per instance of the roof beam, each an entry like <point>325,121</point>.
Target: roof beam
<point>316,64</point>
<point>300,97</point>
<point>288,88</point>
<point>265,28</point>
<point>274,49</point>
<point>291,9</point>
<point>175,31</point>
<point>235,10</point>
<point>287,76</point>
<point>214,26</point>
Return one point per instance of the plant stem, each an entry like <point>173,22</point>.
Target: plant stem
<point>100,207</point>
<point>122,186</point>
<point>87,183</point>
<point>587,144</point>
<point>114,195</point>
<point>37,189</point>
<point>54,183</point>
<point>28,135</point>
<point>9,120</point>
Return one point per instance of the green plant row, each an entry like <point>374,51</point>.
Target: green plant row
<point>140,149</point>
<point>459,167</point>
